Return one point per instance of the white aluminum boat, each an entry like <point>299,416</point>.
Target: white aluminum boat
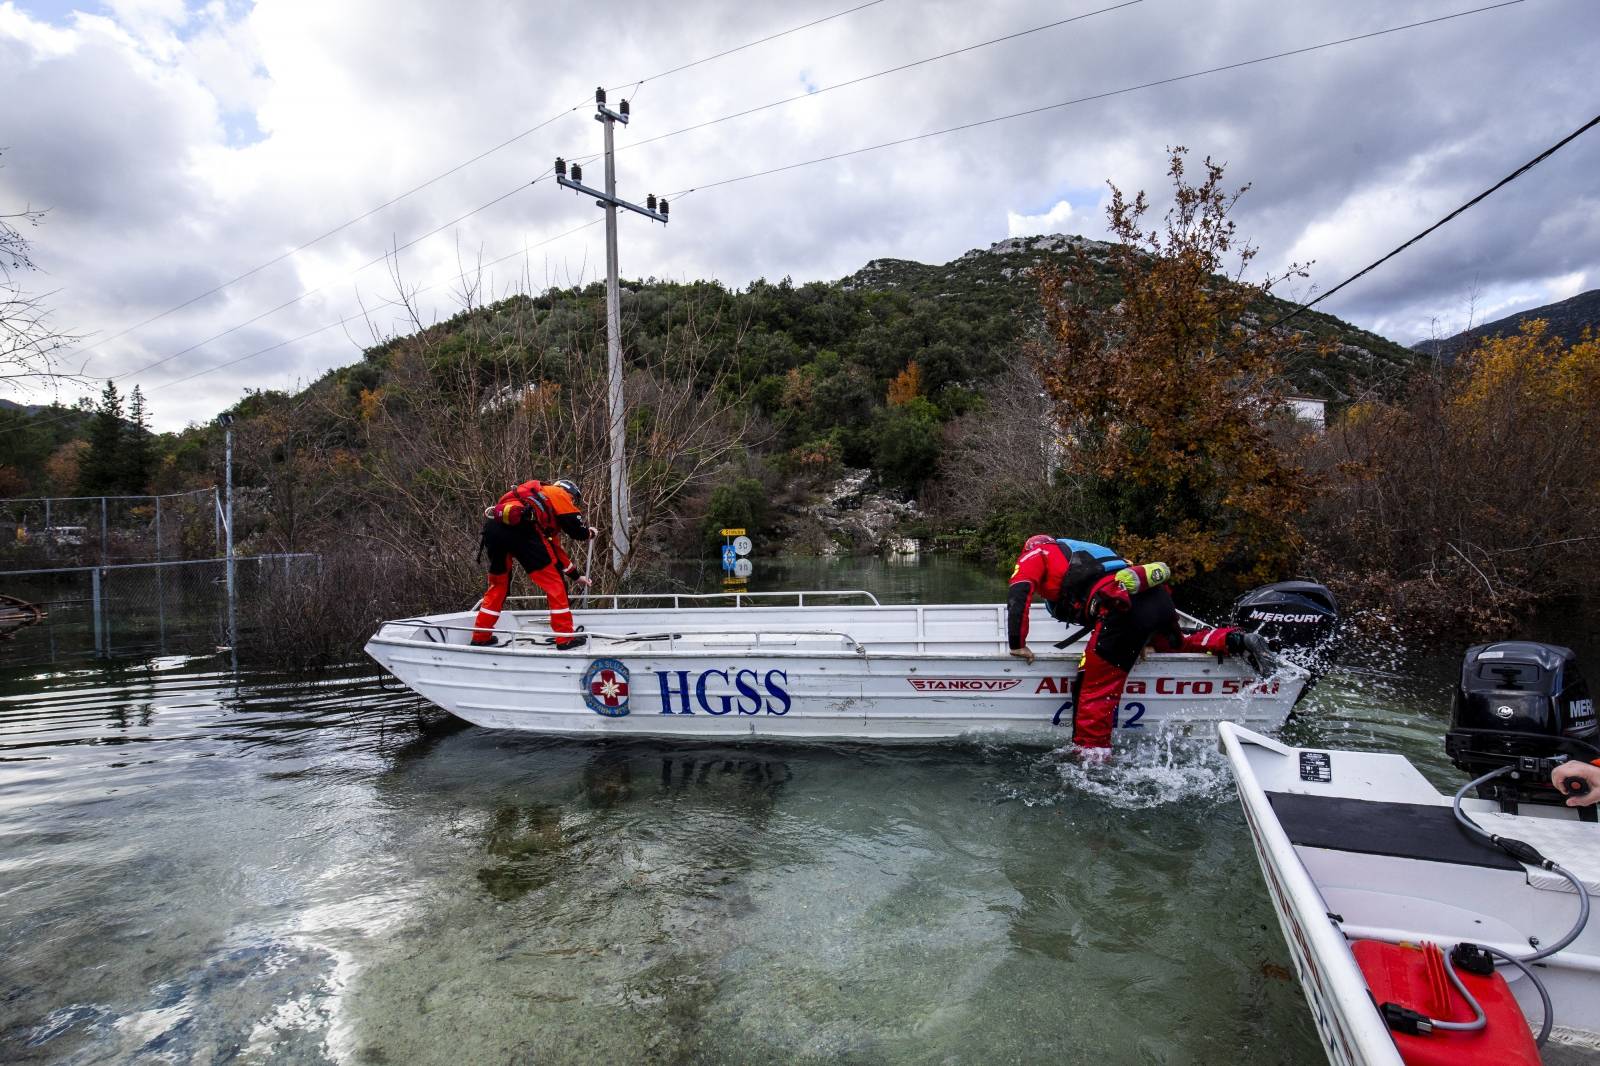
<point>830,665</point>
<point>1366,862</point>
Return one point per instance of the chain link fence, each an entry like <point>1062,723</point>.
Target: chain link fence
<point>105,530</point>
<point>175,607</point>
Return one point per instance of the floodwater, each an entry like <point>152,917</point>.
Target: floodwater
<point>206,866</point>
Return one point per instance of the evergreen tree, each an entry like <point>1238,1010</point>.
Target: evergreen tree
<point>100,474</point>
<point>135,465</point>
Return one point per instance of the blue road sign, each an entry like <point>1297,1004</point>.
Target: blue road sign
<point>728,557</point>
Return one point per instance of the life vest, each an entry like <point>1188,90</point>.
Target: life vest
<point>533,502</point>
<point>1088,564</point>
<point>1109,560</point>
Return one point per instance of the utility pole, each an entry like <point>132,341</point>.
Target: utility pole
<point>621,518</point>
<point>225,420</point>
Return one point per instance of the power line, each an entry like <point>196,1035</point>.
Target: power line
<point>660,137</point>
<point>352,318</point>
<point>751,44</point>
<point>964,126</point>
<point>312,292</point>
<point>455,169</point>
<point>879,74</point>
<point>329,233</point>
<point>335,324</point>
<point>1507,180</point>
<point>1087,99</point>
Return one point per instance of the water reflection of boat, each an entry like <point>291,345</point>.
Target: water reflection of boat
<point>694,666</point>
<point>1423,928</point>
<point>15,614</point>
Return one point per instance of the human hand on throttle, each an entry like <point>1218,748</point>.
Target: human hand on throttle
<point>1586,778</point>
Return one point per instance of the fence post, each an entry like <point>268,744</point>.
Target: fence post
<point>233,615</point>
<point>158,529</point>
<point>94,596</point>
<point>104,533</point>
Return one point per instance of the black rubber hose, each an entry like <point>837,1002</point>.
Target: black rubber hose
<point>1525,853</point>
<point>1544,994</point>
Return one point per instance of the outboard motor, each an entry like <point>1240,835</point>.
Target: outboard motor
<point>1521,704</point>
<point>1289,614</point>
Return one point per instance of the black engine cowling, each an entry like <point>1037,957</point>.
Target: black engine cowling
<point>1289,614</point>
<point>1520,703</point>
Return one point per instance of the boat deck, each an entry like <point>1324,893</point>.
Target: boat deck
<point>1359,845</point>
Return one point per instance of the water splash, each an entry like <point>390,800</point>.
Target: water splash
<point>1170,766</point>
<point>1165,768</point>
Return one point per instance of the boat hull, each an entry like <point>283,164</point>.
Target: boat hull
<point>811,685</point>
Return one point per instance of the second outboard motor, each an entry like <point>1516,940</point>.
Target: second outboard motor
<point>1289,614</point>
<point>1524,704</point>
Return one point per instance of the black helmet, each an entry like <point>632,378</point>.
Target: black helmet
<point>570,487</point>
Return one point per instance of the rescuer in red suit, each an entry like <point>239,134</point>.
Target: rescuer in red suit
<point>1128,608</point>
<point>526,525</point>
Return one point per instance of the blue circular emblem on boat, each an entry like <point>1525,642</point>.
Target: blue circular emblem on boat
<point>605,687</point>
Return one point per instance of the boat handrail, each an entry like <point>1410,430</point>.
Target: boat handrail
<point>677,598</point>
<point>672,635</point>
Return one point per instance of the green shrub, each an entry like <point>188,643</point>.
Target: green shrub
<point>741,504</point>
<point>907,440</point>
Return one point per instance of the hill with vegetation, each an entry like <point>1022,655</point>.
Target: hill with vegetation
<point>871,371</point>
<point>1567,321</point>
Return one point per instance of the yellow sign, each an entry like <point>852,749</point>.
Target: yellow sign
<point>733,532</point>
<point>731,582</point>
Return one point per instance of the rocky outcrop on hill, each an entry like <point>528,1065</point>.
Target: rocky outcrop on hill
<point>854,515</point>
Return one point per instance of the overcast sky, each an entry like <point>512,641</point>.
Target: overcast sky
<point>178,145</point>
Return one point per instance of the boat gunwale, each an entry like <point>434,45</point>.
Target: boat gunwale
<point>1065,655</point>
<point>860,651</point>
<point>1294,893</point>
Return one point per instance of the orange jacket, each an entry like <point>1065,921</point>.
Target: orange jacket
<point>549,510</point>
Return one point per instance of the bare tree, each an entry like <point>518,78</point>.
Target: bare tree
<point>487,400</point>
<point>30,344</point>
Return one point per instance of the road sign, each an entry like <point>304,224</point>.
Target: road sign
<point>743,568</point>
<point>741,545</point>
<point>733,532</point>
<point>728,557</point>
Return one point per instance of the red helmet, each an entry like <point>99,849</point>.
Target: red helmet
<point>1037,541</point>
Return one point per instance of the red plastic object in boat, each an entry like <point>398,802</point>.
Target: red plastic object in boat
<point>1415,977</point>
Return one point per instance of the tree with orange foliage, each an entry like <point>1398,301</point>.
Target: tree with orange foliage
<point>1472,500</point>
<point>906,386</point>
<point>1166,389</point>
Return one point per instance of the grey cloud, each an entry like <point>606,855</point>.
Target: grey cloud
<point>361,100</point>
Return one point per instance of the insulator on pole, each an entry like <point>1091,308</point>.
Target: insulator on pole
<point>663,207</point>
<point>577,172</point>
<point>650,201</point>
<point>599,96</point>
<point>624,108</point>
<point>561,167</point>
